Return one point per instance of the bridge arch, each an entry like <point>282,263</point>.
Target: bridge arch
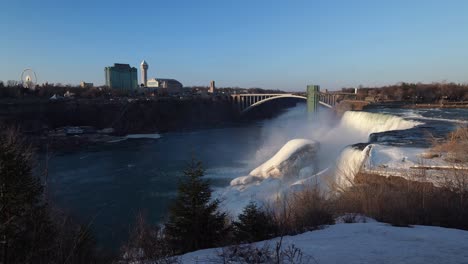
<point>279,96</point>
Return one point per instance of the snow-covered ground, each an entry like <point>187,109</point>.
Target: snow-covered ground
<point>370,242</point>
<point>402,158</point>
<point>389,160</point>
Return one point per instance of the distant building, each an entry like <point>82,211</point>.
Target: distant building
<point>144,73</point>
<point>86,85</point>
<point>121,76</point>
<point>68,94</point>
<point>212,87</point>
<point>165,86</point>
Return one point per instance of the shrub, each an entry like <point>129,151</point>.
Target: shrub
<point>402,202</point>
<point>302,211</point>
<point>254,224</point>
<point>252,254</point>
<point>147,243</point>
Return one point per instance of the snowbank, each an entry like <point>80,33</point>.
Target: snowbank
<point>390,161</point>
<point>370,242</point>
<point>405,158</point>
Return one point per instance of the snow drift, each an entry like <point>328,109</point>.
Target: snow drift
<point>370,242</point>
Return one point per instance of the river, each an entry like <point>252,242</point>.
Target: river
<point>108,185</point>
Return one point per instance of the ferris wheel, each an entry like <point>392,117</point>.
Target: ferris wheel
<point>28,79</point>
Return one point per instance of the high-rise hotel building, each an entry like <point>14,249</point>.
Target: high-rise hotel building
<point>121,76</point>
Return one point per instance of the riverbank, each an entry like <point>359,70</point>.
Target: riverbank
<point>349,105</point>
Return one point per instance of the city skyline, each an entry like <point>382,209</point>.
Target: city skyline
<point>267,44</point>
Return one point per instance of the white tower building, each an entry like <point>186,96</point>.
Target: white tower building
<point>212,87</point>
<point>144,72</point>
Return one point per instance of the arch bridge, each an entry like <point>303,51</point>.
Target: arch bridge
<point>246,102</point>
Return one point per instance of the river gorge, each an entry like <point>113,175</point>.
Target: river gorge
<point>107,185</point>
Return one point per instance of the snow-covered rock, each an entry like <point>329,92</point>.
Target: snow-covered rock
<point>289,160</point>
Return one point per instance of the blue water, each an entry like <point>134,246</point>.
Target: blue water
<point>110,184</point>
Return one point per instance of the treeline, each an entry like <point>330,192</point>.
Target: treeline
<point>14,89</point>
<point>414,92</point>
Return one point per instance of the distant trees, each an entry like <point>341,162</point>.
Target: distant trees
<point>11,83</point>
<point>195,221</point>
<point>14,89</point>
<point>417,92</point>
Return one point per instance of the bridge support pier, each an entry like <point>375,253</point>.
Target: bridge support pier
<point>313,93</point>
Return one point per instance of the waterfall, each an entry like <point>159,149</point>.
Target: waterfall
<point>368,123</point>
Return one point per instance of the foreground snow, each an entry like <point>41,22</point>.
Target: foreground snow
<point>370,242</point>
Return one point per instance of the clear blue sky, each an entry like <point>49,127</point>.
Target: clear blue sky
<point>246,43</point>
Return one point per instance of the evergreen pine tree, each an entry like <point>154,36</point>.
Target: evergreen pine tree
<point>194,219</point>
<point>25,227</point>
<point>254,224</point>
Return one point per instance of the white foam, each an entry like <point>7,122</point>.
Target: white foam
<point>348,165</point>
